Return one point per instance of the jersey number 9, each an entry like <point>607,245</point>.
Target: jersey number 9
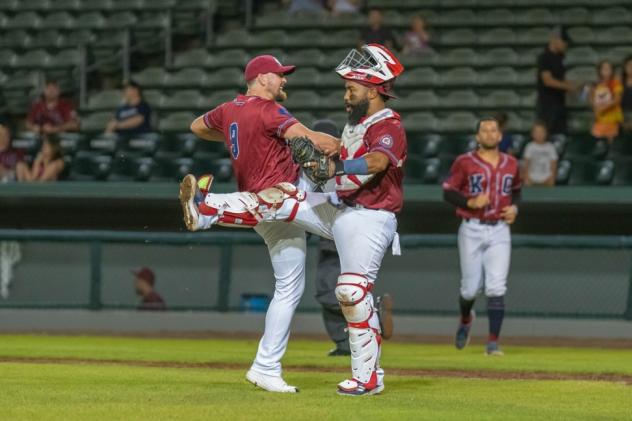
<point>234,140</point>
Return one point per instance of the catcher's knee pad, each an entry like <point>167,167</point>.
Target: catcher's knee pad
<point>353,293</point>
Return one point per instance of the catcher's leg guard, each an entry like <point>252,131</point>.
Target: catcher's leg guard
<point>353,292</point>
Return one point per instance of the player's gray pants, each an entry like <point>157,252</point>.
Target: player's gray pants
<point>484,253</point>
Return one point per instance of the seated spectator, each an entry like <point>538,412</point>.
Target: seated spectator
<point>605,99</point>
<point>313,7</point>
<point>342,7</point>
<point>540,158</point>
<point>506,144</point>
<point>144,285</point>
<point>52,114</point>
<point>417,38</point>
<point>626,97</point>
<point>9,157</point>
<point>134,116</point>
<point>48,164</point>
<point>376,33</point>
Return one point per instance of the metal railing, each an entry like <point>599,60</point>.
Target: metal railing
<point>227,240</point>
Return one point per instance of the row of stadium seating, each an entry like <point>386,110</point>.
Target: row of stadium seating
<point>89,20</point>
<point>499,36</point>
<point>451,4</point>
<point>461,17</point>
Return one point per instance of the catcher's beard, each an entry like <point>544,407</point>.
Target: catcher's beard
<point>358,111</point>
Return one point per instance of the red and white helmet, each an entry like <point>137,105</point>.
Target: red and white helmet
<point>374,64</point>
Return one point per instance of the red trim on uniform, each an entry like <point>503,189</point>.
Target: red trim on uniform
<point>207,210</point>
<point>293,213</point>
<point>359,325</point>
<point>354,178</point>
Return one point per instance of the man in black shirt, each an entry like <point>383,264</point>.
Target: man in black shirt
<point>134,116</point>
<point>376,33</point>
<point>552,87</point>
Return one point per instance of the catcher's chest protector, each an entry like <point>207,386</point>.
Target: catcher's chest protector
<point>353,147</point>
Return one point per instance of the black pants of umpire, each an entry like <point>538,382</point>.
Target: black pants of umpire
<point>326,279</point>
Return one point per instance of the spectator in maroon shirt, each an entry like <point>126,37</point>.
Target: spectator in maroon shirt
<point>52,114</point>
<point>9,157</point>
<point>150,299</point>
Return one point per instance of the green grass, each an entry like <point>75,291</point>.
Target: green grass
<point>122,392</point>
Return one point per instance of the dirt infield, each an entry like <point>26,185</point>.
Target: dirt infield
<point>464,374</point>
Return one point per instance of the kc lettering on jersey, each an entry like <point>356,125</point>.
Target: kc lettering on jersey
<point>253,129</point>
<point>471,176</point>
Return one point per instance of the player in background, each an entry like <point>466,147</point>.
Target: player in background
<point>255,129</point>
<point>360,216</point>
<point>484,185</point>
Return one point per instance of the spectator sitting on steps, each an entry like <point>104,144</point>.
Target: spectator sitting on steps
<point>48,164</point>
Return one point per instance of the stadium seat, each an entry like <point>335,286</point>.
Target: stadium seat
<point>235,38</point>
<point>170,169</point>
<point>176,122</point>
<point>502,56</point>
<point>529,100</point>
<point>622,173</point>
<point>47,39</point>
<point>423,77</point>
<point>458,37</point>
<point>581,56</point>
<point>615,35</point>
<point>426,145</point>
<point>273,38</point>
<point>527,77</point>
<point>105,100</point>
<point>306,39</point>
<point>7,58</point>
<point>462,122</point>
<point>458,17</point>
<point>589,173</point>
<point>74,38</point>
<point>154,98</point>
<point>229,58</point>
<point>65,5</point>
<point>563,172</point>
<point>193,77</point>
<point>340,39</point>
<point>226,78</point>
<point>144,144</point>
<point>305,77</point>
<point>130,168</point>
<point>497,36</point>
<point>612,16</point>
<point>307,57</point>
<point>196,57</point>
<point>457,57</point>
<point>58,20</point>
<point>90,20</point>
<point>420,122</point>
<point>584,147</point>
<point>219,97</point>
<point>455,145</point>
<point>529,57</point>
<point>621,148</point>
<point>501,99</point>
<point>221,168</point>
<point>92,5</point>
<point>459,99</point>
<point>581,35</point>
<point>307,100</point>
<point>24,20</point>
<point>333,58</point>
<point>575,16</point>
<point>459,76</point>
<point>532,17</point>
<point>495,17</point>
<point>65,58</point>
<point>121,20</point>
<point>15,39</point>
<point>418,100</point>
<point>88,166</point>
<point>34,59</point>
<point>580,123</point>
<point>95,122</point>
<point>184,100</point>
<point>308,118</point>
<point>151,77</point>
<point>498,76</point>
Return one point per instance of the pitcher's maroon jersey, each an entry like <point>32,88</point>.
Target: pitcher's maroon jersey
<point>254,128</point>
<point>471,176</point>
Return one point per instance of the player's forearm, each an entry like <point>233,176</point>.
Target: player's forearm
<point>199,128</point>
<point>455,198</point>
<point>371,163</point>
<point>130,123</point>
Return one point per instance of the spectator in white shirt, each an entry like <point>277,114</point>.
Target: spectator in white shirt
<point>540,158</point>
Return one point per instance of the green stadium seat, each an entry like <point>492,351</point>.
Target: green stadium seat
<point>191,77</point>
<point>498,76</point>
<point>534,36</point>
<point>425,145</point>
<point>344,21</point>
<point>66,5</point>
<point>307,57</point>
<point>151,77</point>
<point>458,17</point>
<point>306,100</point>
<point>418,99</point>
<point>229,58</point>
<point>121,20</point>
<point>501,99</point>
<point>90,20</point>
<point>273,38</point>
<point>33,59</point>
<point>529,100</point>
<point>340,39</point>
<point>95,122</point>
<point>304,77</point>
<point>58,20</point>
<point>621,148</point>
<point>527,77</point>
<point>95,5</point>
<point>74,38</point>
<point>495,17</point>
<point>529,57</point>
<point>622,173</point>
<point>105,100</point>
<point>130,168</point>
<point>24,20</point>
<point>176,122</point>
<point>184,100</point>
<point>422,76</point>
<point>414,170</point>
<point>219,97</point>
<point>591,173</point>
<point>459,76</point>
<point>236,38</point>
<point>7,58</point>
<point>580,123</point>
<point>48,39</point>
<point>615,35</point>
<point>462,122</point>
<point>584,148</point>
<point>612,16</point>
<point>221,168</point>
<point>532,17</point>
<point>428,58</point>
<point>21,80</point>
<point>160,4</point>
<point>420,122</point>
<point>581,56</point>
<point>453,146</point>
<point>459,99</point>
<point>154,98</point>
<point>170,168</point>
<point>197,5</point>
<point>395,18</point>
<point>617,54</point>
<point>458,57</point>
<point>497,36</point>
<point>71,143</point>
<point>144,144</point>
<point>458,37</point>
<point>9,5</point>
<point>87,166</point>
<point>65,58</point>
<point>330,80</point>
<point>333,58</point>
<point>502,56</point>
<point>15,39</point>
<point>582,35</point>
<point>584,74</point>
<point>147,22</point>
<point>225,78</point>
<point>196,57</point>
<point>35,5</point>
<point>127,5</point>
<point>307,39</point>
<point>575,16</point>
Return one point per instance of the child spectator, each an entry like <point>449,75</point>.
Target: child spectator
<point>605,99</point>
<point>134,116</point>
<point>52,114</point>
<point>48,164</point>
<point>540,158</point>
<point>416,40</point>
<point>9,157</point>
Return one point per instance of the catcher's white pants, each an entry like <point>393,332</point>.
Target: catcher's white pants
<point>484,254</point>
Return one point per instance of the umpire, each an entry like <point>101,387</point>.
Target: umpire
<point>327,274</point>
<point>552,86</point>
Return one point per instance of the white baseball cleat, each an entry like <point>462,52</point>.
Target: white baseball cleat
<point>190,212</point>
<point>270,383</point>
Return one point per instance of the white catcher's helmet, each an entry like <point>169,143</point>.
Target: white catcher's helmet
<point>373,64</point>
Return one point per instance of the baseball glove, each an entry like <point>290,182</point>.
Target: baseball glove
<point>304,152</point>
